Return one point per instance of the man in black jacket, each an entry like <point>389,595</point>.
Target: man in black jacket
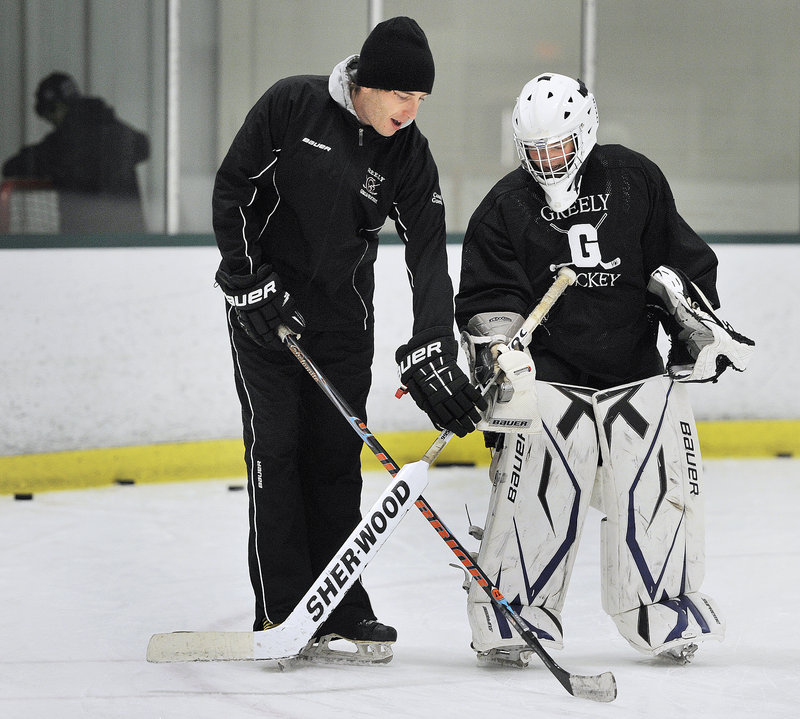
<point>309,180</point>
<point>606,212</point>
<point>90,157</point>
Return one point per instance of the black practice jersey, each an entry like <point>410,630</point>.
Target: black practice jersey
<point>305,188</point>
<point>623,225</point>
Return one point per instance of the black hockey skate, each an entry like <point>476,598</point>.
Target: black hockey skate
<point>368,641</point>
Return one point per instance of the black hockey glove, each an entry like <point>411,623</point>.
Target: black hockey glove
<point>429,372</point>
<point>261,305</point>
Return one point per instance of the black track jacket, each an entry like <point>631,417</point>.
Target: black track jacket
<point>305,188</point>
<point>623,225</point>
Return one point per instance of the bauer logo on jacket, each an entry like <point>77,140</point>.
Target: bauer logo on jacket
<point>316,144</point>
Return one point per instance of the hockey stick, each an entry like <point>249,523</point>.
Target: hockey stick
<point>602,687</point>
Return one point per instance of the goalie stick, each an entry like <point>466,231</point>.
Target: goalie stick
<point>289,638</point>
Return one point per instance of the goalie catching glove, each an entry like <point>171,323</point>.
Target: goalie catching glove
<point>703,346</point>
<point>429,373</point>
<point>261,305</point>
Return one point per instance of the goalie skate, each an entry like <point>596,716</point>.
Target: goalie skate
<point>680,655</point>
<point>517,656</point>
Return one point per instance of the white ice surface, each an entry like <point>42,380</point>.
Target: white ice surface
<point>87,576</point>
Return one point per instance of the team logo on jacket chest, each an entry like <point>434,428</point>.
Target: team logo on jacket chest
<point>371,185</point>
<point>584,243</point>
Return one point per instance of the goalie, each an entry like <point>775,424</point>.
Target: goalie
<point>588,415</point>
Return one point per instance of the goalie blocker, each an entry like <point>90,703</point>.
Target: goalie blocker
<point>485,343</point>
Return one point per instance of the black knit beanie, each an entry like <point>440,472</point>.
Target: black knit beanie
<point>396,56</point>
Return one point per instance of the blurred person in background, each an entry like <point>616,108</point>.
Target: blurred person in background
<point>90,158</point>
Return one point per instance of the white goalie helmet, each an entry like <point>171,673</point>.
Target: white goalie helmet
<point>555,128</point>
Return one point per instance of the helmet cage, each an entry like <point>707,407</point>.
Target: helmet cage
<point>550,160</point>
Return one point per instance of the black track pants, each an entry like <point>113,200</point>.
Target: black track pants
<point>303,465</point>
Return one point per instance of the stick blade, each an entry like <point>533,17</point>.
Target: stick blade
<point>200,647</point>
<point>597,688</point>
<point>281,642</point>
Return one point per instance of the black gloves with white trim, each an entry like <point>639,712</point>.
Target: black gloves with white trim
<point>261,305</point>
<point>429,372</point>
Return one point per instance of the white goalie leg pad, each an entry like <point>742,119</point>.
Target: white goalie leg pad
<point>542,484</point>
<point>672,623</point>
<point>653,537</point>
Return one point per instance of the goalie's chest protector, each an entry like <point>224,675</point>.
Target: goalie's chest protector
<point>601,237</point>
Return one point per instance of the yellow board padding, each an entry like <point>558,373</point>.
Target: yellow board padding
<point>224,458</point>
<point>753,438</point>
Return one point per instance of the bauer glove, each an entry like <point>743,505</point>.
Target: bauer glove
<point>703,345</point>
<point>429,373</point>
<point>261,305</point>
